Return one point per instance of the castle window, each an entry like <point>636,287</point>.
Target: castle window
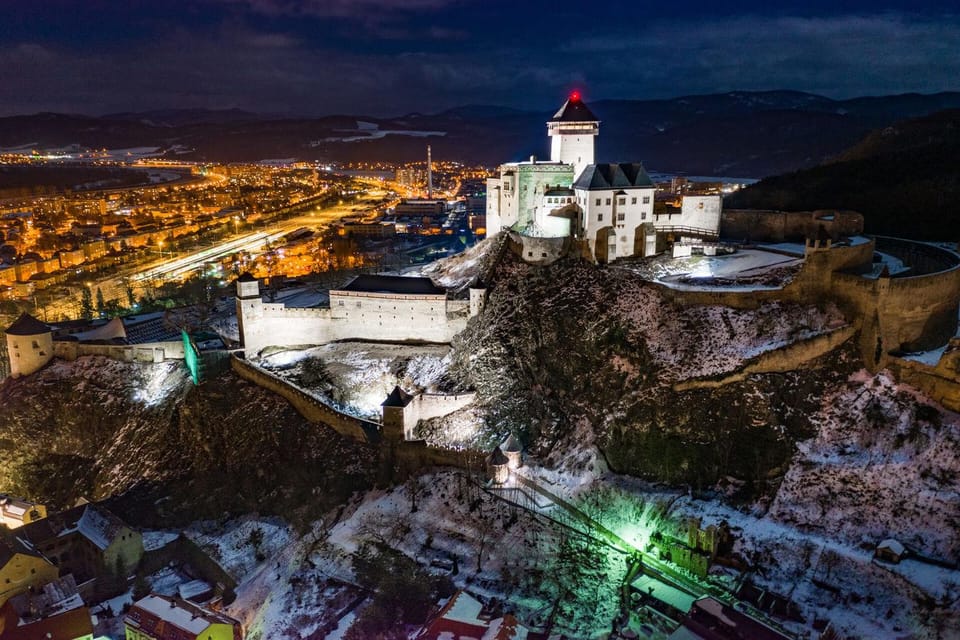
<point>621,201</point>
<point>646,199</point>
<point>358,304</point>
<point>599,217</point>
<point>598,202</point>
<point>608,202</point>
<point>621,217</point>
<point>340,302</point>
<point>643,216</point>
<point>633,200</point>
<point>35,344</point>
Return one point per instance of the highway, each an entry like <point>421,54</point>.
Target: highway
<point>178,267</point>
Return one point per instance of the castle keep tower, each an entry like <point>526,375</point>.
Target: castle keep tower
<point>573,131</point>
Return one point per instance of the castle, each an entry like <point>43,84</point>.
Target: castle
<point>370,307</point>
<point>609,206</point>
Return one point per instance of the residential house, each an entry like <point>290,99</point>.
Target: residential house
<point>15,512</point>
<point>158,617</point>
<point>463,618</point>
<point>87,541</point>
<point>55,612</point>
<point>22,568</point>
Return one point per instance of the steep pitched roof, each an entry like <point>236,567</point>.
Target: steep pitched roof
<point>624,175</point>
<point>11,545</point>
<point>27,325</point>
<point>497,458</point>
<point>394,284</point>
<point>511,444</point>
<point>68,625</point>
<point>94,522</point>
<point>574,110</point>
<point>155,614</point>
<point>397,398</point>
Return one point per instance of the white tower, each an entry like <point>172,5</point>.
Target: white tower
<point>249,310</point>
<point>573,130</point>
<point>29,345</point>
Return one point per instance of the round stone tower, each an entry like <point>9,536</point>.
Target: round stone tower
<point>498,469</point>
<point>29,345</point>
<point>512,449</point>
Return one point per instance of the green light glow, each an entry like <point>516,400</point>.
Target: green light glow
<point>191,358</point>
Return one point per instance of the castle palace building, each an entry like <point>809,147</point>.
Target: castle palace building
<point>606,205</point>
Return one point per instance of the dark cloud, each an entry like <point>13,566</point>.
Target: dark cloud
<point>301,58</point>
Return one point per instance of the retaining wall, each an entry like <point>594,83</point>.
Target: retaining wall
<point>310,407</point>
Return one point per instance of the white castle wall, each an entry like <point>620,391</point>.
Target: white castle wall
<point>701,212</point>
<point>147,352</point>
<point>428,405</point>
<point>352,316</point>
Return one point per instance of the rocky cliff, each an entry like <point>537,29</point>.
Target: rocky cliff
<point>97,427</point>
<point>573,354</point>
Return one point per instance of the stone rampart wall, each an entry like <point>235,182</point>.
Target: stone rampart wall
<point>148,352</point>
<point>787,358</point>
<point>310,407</point>
<point>432,405</point>
<point>757,225</point>
<point>939,383</point>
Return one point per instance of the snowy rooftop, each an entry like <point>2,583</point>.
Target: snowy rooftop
<point>679,600</point>
<point>183,615</point>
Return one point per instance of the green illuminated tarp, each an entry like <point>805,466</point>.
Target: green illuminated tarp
<point>191,357</point>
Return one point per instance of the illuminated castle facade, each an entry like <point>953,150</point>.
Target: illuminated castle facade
<point>609,206</point>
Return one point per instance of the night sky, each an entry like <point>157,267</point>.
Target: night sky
<point>388,57</point>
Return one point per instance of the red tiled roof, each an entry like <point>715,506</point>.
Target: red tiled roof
<point>69,625</point>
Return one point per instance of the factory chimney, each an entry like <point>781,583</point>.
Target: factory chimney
<point>429,175</point>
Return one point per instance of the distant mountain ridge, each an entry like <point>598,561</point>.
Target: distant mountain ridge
<point>739,133</point>
<point>902,177</point>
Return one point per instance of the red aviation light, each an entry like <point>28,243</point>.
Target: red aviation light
<point>575,96</point>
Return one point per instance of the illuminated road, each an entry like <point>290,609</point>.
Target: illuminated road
<point>181,266</point>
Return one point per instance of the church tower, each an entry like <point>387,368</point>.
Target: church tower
<point>573,130</point>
